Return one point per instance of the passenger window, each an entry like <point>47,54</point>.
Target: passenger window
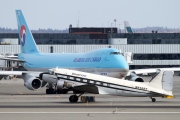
<point>78,79</point>
<point>72,78</point>
<point>104,84</point>
<point>98,83</point>
<point>92,82</point>
<point>84,80</point>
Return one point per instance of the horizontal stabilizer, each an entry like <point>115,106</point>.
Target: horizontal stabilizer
<point>10,59</point>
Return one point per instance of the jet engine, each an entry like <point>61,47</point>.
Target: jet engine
<point>134,77</point>
<point>31,82</point>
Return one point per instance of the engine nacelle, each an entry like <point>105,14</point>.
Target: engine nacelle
<point>62,84</point>
<point>134,77</point>
<point>31,82</point>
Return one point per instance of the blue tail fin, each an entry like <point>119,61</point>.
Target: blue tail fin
<point>127,27</point>
<point>27,42</point>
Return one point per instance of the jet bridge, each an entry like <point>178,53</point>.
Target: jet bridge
<point>7,65</point>
<point>128,57</point>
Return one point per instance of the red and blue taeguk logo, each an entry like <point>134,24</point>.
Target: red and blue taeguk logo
<point>23,35</point>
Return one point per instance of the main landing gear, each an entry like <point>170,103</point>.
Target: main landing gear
<point>74,98</point>
<point>53,91</point>
<point>50,91</point>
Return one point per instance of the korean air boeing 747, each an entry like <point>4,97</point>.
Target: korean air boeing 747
<point>106,60</point>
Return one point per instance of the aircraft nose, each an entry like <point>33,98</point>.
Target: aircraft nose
<point>124,64</point>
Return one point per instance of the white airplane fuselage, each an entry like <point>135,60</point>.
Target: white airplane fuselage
<point>113,86</point>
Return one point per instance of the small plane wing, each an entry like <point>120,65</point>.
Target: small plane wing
<point>87,88</point>
<point>12,59</point>
<point>153,70</point>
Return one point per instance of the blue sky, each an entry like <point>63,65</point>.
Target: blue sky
<point>58,14</point>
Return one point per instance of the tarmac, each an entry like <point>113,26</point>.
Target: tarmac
<point>19,103</point>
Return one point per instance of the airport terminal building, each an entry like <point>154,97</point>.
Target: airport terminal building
<point>149,49</point>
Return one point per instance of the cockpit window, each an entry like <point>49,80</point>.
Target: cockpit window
<point>115,53</point>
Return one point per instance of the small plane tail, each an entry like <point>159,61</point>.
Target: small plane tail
<point>127,27</point>
<point>26,39</point>
<point>163,80</point>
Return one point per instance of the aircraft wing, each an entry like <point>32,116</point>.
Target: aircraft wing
<point>87,88</point>
<point>19,73</point>
<point>12,59</point>
<point>153,70</point>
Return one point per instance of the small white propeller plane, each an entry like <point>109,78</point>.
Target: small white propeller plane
<point>160,85</point>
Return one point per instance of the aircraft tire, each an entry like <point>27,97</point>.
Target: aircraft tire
<point>73,98</point>
<point>50,91</point>
<point>153,99</point>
